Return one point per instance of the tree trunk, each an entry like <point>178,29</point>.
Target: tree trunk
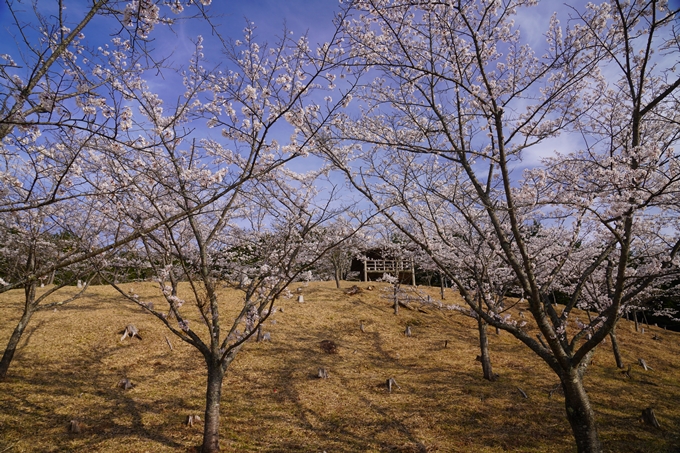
<point>11,348</point>
<point>211,429</point>
<point>337,277</point>
<point>644,316</point>
<point>580,413</point>
<point>484,347</point>
<point>615,348</point>
<point>396,300</point>
<point>637,325</point>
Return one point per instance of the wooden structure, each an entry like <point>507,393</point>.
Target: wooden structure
<point>392,267</point>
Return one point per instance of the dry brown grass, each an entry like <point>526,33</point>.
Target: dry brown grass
<point>70,361</point>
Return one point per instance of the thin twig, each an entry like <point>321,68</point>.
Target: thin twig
<point>10,446</point>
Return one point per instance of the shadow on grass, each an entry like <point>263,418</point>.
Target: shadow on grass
<point>105,411</point>
<point>273,401</point>
<point>390,422</point>
<point>28,334</point>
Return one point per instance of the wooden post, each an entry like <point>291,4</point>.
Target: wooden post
<point>649,418</point>
<point>441,280</point>
<point>74,427</point>
<point>413,273</point>
<point>191,420</point>
<point>391,382</point>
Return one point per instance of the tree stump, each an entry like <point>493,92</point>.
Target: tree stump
<point>75,427</point>
<point>130,331</point>
<point>125,384</point>
<point>644,365</point>
<point>353,290</point>
<point>391,382</point>
<point>362,327</point>
<point>322,374</point>
<point>649,418</point>
<point>407,332</point>
<point>329,347</point>
<point>191,420</point>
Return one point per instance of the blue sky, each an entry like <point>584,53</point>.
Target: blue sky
<point>269,16</point>
<point>230,17</point>
<point>300,16</point>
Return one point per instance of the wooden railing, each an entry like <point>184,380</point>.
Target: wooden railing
<point>389,266</point>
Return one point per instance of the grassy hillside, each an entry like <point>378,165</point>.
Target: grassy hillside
<point>70,361</point>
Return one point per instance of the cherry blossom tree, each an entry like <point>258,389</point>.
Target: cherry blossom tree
<point>338,261</point>
<point>57,81</point>
<point>644,284</point>
<point>214,211</point>
<point>59,94</point>
<point>90,146</point>
<point>629,164</point>
<point>147,165</point>
<point>64,102</point>
<point>257,240</point>
<point>456,100</point>
<point>29,240</point>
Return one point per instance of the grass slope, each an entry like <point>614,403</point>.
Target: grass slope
<point>70,361</point>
